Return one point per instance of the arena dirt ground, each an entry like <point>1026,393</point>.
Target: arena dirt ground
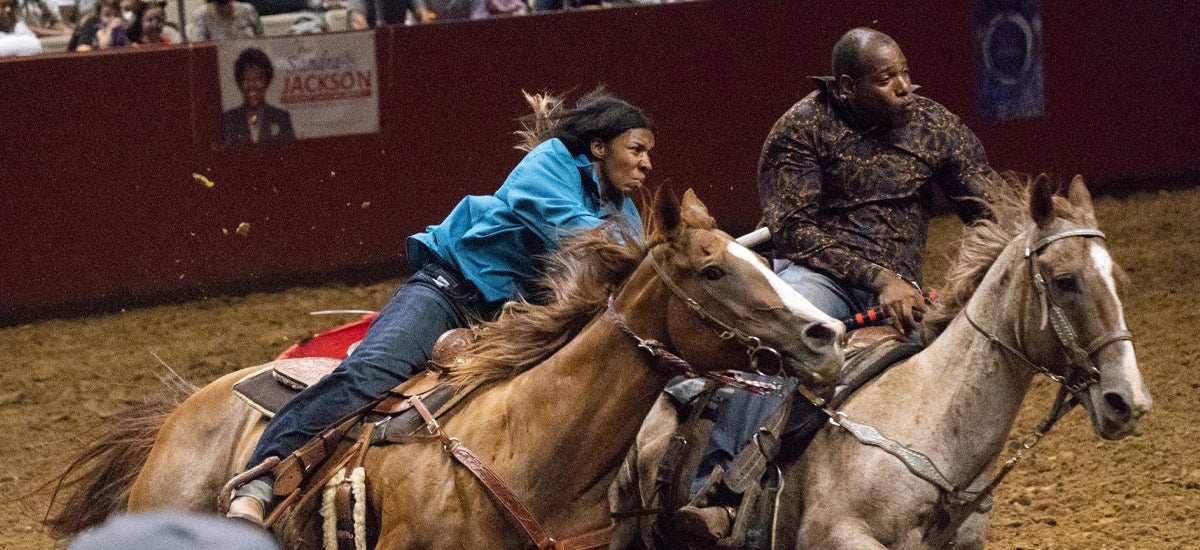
<point>63,377</point>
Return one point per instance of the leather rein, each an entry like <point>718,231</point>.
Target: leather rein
<point>753,344</point>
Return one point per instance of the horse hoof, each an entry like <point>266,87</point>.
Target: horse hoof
<point>248,509</point>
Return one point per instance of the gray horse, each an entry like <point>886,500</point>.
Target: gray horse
<point>1036,292</point>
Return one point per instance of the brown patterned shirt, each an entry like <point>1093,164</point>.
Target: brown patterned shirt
<point>849,202</point>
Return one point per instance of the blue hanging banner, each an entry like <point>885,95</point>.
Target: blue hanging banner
<point>1008,46</point>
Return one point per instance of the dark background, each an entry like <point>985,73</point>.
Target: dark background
<point>100,208</point>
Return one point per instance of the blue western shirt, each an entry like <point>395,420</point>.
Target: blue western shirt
<point>496,241</point>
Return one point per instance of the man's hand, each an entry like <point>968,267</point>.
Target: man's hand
<point>900,300</point>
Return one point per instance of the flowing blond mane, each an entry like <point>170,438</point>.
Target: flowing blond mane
<point>980,246</point>
<point>578,279</point>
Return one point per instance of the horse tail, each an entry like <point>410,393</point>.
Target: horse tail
<point>541,124</point>
<point>98,481</point>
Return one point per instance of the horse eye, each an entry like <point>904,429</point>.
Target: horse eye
<point>1066,283</point>
<point>712,273</point>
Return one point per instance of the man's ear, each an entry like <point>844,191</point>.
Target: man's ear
<point>599,150</point>
<point>846,87</point>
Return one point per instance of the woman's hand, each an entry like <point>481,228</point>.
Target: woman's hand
<point>104,36</point>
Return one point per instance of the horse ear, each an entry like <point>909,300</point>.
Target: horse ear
<point>1041,203</point>
<point>666,218</point>
<point>1080,198</point>
<point>694,213</point>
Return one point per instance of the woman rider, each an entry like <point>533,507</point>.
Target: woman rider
<point>486,252</point>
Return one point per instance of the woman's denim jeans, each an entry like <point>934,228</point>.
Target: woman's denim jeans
<point>435,299</point>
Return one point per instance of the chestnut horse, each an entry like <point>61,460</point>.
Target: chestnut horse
<point>565,388</point>
<point>1036,292</point>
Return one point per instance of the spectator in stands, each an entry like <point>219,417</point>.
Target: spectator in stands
<point>475,9</point>
<point>366,14</point>
<point>107,29</point>
<point>555,5</point>
<point>446,10</point>
<point>129,9</point>
<point>275,7</point>
<point>43,17</point>
<point>508,7</point>
<point>255,121</point>
<point>149,24</point>
<point>224,20</point>
<point>15,37</point>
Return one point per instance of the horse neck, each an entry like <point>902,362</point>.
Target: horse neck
<point>588,400</point>
<point>977,385</point>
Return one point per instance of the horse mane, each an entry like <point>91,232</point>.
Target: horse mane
<point>539,125</point>
<point>576,283</point>
<point>982,243</point>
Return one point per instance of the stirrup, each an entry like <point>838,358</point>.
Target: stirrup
<point>225,495</point>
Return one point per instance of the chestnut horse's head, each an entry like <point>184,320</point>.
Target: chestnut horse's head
<point>729,310</point>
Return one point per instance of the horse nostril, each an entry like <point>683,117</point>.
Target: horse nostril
<point>821,335</point>
<point>1117,404</point>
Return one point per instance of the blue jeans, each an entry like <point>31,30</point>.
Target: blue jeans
<point>835,299</point>
<point>740,417</point>
<point>435,299</point>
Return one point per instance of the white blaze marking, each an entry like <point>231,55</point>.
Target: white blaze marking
<point>793,300</point>
<point>1129,370</point>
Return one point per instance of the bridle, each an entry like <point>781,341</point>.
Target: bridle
<point>753,344</point>
<point>1083,373</point>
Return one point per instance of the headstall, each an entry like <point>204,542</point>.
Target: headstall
<point>754,346</point>
<point>1079,357</point>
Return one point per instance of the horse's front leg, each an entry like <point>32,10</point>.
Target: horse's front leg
<point>972,535</point>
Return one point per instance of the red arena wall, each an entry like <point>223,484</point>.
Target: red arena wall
<point>108,158</point>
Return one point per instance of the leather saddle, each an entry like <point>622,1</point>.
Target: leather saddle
<point>271,387</point>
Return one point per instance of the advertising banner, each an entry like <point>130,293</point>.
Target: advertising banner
<point>298,87</point>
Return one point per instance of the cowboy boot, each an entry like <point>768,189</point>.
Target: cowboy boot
<point>249,509</point>
<point>702,518</point>
<point>709,523</point>
<point>250,501</point>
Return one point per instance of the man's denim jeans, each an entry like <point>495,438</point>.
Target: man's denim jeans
<point>740,417</point>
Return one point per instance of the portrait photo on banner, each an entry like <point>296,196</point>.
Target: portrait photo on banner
<point>275,90</point>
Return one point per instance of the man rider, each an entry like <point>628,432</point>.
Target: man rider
<point>846,180</point>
